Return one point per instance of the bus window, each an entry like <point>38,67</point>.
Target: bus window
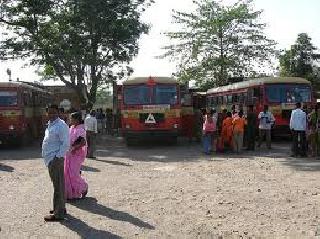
<point>220,100</point>
<point>214,101</point>
<point>257,93</point>
<point>166,94</point>
<point>139,94</point>
<point>235,98</point>
<point>225,99</point>
<point>8,98</point>
<point>250,96</point>
<point>27,99</point>
<point>229,99</point>
<point>241,98</point>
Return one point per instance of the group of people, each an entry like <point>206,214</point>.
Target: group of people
<point>226,131</point>
<point>64,150</point>
<point>305,127</point>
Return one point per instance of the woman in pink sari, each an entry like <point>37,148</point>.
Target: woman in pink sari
<point>75,186</point>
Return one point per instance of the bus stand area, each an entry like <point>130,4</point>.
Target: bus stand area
<point>151,178</point>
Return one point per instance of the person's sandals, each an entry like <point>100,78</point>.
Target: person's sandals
<point>51,211</point>
<point>84,194</point>
<point>53,218</point>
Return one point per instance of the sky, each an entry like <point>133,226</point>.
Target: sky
<point>285,19</point>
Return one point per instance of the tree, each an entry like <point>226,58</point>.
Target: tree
<point>218,42</point>
<point>300,59</point>
<point>79,42</point>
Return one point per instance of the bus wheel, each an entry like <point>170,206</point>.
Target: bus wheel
<point>129,141</point>
<point>26,138</point>
<point>174,140</point>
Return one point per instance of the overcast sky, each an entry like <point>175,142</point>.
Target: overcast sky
<point>285,19</point>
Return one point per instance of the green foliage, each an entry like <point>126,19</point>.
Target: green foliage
<point>217,42</point>
<point>300,59</point>
<point>82,43</point>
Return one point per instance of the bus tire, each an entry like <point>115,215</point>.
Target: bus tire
<point>129,141</point>
<point>26,139</point>
<point>174,140</point>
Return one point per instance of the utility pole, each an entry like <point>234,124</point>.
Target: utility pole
<point>9,74</point>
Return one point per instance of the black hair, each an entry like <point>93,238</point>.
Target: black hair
<point>52,106</point>
<point>92,112</point>
<point>298,104</point>
<point>229,114</point>
<point>77,116</point>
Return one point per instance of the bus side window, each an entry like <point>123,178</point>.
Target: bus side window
<point>250,96</point>
<point>229,99</point>
<point>257,93</point>
<point>225,99</point>
<point>215,101</point>
<point>26,99</point>
<point>235,98</point>
<point>241,98</point>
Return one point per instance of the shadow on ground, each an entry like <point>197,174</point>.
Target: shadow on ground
<point>303,164</point>
<point>84,230</point>
<point>91,205</point>
<point>6,168</point>
<point>20,153</point>
<point>160,151</point>
<point>89,169</point>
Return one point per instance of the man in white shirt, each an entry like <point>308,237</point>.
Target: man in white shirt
<point>91,127</point>
<point>55,145</point>
<point>266,120</point>
<point>298,126</point>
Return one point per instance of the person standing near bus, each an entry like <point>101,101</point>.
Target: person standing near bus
<point>238,130</point>
<point>208,130</point>
<point>226,133</point>
<point>251,128</point>
<point>55,145</point>
<point>91,127</point>
<point>298,126</point>
<point>266,120</point>
<point>312,119</point>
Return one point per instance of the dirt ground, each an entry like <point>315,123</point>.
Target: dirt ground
<point>166,192</point>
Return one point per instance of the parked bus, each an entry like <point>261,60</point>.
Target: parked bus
<point>280,93</point>
<point>22,112</point>
<point>150,107</point>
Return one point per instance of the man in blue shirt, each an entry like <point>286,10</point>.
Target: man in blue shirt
<point>298,126</point>
<point>55,145</point>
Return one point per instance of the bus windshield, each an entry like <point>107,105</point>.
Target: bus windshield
<point>137,95</point>
<point>288,93</point>
<point>166,94</point>
<point>144,95</point>
<point>8,98</point>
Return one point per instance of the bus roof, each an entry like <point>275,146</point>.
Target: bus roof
<point>21,84</point>
<point>142,80</point>
<point>259,81</point>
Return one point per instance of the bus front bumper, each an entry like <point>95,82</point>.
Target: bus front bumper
<point>147,134</point>
<point>9,137</point>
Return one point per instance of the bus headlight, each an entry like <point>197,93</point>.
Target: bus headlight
<point>11,127</point>
<point>128,126</point>
<point>175,126</point>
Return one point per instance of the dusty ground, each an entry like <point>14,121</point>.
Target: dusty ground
<point>166,192</point>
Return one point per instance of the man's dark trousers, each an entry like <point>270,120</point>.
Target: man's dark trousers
<point>251,137</point>
<point>299,143</point>
<point>56,172</point>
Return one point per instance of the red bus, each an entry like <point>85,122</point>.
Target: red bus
<point>150,107</point>
<point>280,93</point>
<point>22,112</point>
